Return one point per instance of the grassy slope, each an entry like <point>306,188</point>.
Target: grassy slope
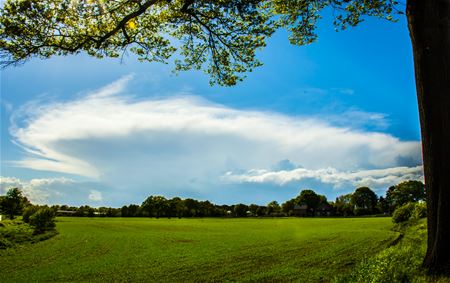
<point>399,263</point>
<point>183,250</point>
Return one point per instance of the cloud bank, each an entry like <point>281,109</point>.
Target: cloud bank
<point>375,178</point>
<point>185,144</point>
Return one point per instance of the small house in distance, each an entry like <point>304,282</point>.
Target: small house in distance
<point>324,210</point>
<point>301,210</point>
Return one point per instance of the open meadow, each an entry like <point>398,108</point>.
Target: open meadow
<point>188,250</point>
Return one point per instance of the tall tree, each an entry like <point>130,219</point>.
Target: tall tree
<point>288,207</point>
<point>273,208</point>
<point>343,205</point>
<point>364,201</point>
<point>240,210</point>
<point>221,37</point>
<point>429,26</point>
<point>13,203</point>
<point>310,198</point>
<point>155,206</point>
<point>408,191</point>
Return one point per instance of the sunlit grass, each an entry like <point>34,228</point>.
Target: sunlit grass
<point>193,250</point>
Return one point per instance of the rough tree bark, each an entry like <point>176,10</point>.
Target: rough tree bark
<point>429,26</point>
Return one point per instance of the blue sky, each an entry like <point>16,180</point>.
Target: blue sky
<point>332,116</point>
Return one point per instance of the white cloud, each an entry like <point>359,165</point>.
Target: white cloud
<point>184,143</point>
<point>376,178</point>
<point>95,195</point>
<point>38,191</point>
<point>57,190</point>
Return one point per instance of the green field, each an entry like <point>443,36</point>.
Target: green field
<point>188,250</point>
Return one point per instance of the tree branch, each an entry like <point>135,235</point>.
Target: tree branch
<point>123,22</point>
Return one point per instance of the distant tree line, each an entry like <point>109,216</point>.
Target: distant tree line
<point>363,201</point>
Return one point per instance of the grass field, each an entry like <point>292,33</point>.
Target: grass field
<point>188,250</point>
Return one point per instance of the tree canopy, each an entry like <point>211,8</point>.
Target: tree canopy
<point>408,191</point>
<point>364,200</point>
<point>310,198</point>
<point>12,204</point>
<point>218,36</point>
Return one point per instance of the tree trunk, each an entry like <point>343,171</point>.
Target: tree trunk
<point>429,26</point>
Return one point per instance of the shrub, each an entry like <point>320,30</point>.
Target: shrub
<point>420,211</point>
<point>28,212</point>
<point>43,220</point>
<point>403,213</point>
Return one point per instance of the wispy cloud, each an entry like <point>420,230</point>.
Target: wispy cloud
<point>358,119</point>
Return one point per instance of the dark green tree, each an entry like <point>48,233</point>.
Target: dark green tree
<point>172,206</point>
<point>310,198</point>
<point>124,211</point>
<point>221,37</point>
<point>273,208</point>
<point>91,212</point>
<point>288,207</point>
<point>180,209</point>
<point>28,212</point>
<point>240,210</point>
<point>13,203</point>
<point>133,210</point>
<point>155,206</point>
<point>2,199</point>
<point>383,205</point>
<point>364,201</point>
<point>253,209</point>
<point>43,220</point>
<point>408,191</point>
<point>343,205</point>
<point>112,212</point>
<point>261,211</point>
<point>191,206</point>
<point>206,209</point>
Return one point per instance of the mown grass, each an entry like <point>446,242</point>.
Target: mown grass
<point>197,250</point>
